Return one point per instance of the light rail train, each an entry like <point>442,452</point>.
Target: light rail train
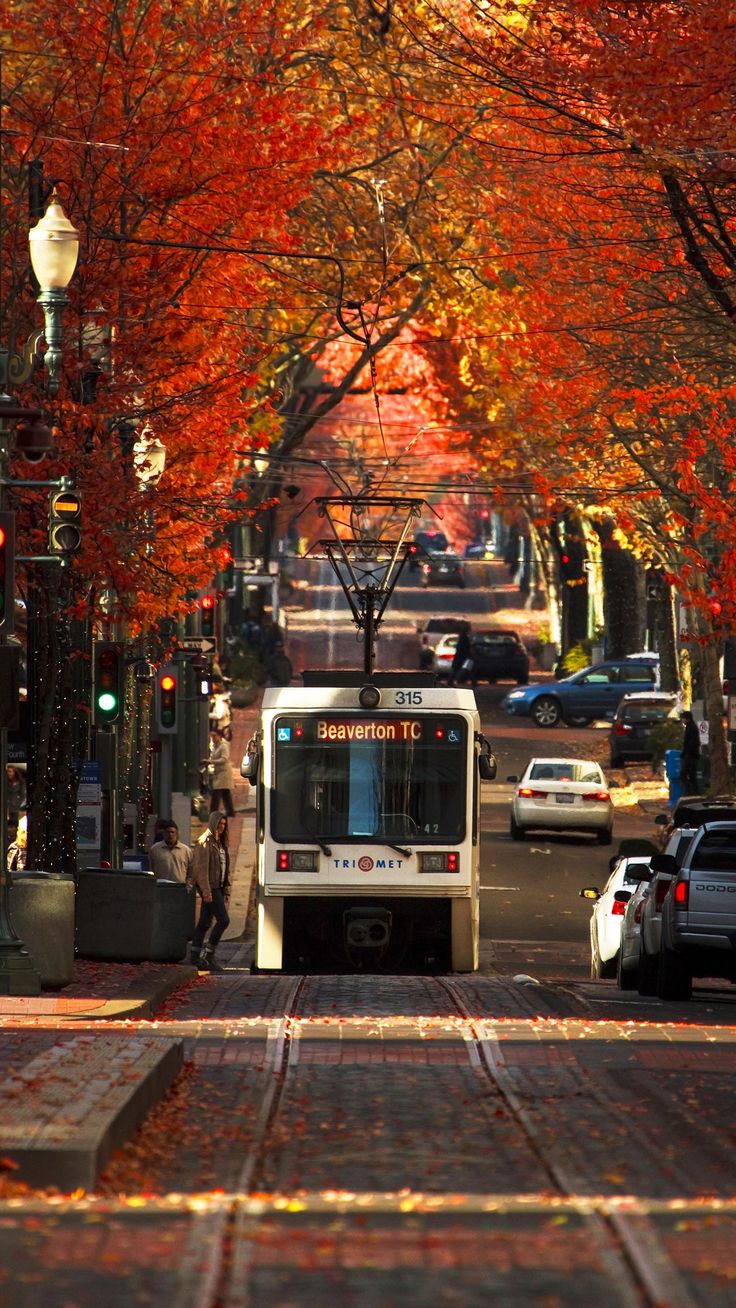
<point>368,824</point>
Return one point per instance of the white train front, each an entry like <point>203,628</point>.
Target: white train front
<point>367,824</point>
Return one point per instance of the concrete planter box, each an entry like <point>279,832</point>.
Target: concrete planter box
<point>42,913</point>
<point>173,921</point>
<point>548,656</point>
<point>115,914</point>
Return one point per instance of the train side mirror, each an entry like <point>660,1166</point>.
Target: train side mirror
<point>250,761</point>
<point>487,763</point>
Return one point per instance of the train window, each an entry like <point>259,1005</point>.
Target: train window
<point>382,778</point>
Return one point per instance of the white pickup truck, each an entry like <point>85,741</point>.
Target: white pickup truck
<point>698,936</point>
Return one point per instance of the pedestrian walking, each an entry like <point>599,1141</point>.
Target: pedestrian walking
<point>689,754</point>
<point>211,876</point>
<point>461,656</point>
<point>220,773</point>
<point>18,848</point>
<point>169,857</point>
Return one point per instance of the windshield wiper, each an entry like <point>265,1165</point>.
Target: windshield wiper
<point>323,845</point>
<point>399,849</point>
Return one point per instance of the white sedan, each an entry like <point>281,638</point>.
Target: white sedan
<point>562,794</point>
<point>610,908</point>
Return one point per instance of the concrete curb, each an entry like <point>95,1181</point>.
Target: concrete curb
<point>72,1105</point>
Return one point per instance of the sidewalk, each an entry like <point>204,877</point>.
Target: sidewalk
<point>127,991</point>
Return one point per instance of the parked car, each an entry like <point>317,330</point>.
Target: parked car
<point>432,631</point>
<point>693,811</point>
<point>444,653</point>
<point>627,965</point>
<point>479,549</point>
<point>561,794</point>
<point>443,570</point>
<point>698,935</point>
<point>633,721</point>
<point>584,697</point>
<point>498,655</point>
<point>608,913</point>
<point>643,918</point>
<point>424,544</point>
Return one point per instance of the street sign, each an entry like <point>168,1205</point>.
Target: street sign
<point>199,645</point>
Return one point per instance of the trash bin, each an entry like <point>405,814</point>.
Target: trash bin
<point>115,911</point>
<point>672,770</point>
<point>42,912</point>
<point>173,921</point>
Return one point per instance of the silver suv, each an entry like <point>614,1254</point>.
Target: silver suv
<point>698,935</point>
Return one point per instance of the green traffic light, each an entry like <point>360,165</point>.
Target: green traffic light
<point>106,702</point>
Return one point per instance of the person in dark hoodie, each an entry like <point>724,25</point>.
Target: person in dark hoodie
<point>211,877</point>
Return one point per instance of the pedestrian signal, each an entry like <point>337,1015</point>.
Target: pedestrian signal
<point>7,573</point>
<point>207,615</point>
<point>167,690</point>
<point>107,683</point>
<point>65,531</point>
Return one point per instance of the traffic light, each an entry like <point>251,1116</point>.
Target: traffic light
<point>65,532</point>
<point>167,699</point>
<point>107,685</point>
<point>207,615</point>
<point>7,573</point>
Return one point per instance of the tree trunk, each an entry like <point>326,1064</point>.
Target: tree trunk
<point>52,845</point>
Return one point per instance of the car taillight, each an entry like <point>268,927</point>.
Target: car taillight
<point>600,796</point>
<point>680,893</point>
<point>663,885</point>
<point>619,908</point>
<point>526,792</point>
<point>621,729</point>
<point>439,862</point>
<point>296,860</point>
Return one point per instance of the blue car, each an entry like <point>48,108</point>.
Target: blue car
<point>586,696</point>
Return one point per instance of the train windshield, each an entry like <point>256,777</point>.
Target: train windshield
<point>383,778</point>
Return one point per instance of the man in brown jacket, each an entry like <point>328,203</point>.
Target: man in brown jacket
<point>211,877</point>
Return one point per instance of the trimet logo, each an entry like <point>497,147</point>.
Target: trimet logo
<point>365,863</point>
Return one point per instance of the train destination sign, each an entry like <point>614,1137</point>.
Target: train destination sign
<point>349,730</point>
<point>367,729</point>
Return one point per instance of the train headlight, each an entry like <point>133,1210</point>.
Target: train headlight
<point>435,862</point>
<point>369,697</point>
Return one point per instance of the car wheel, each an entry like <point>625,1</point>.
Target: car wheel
<point>674,980</point>
<point>625,980</point>
<point>517,832</point>
<point>605,837</point>
<point>599,969</point>
<point>546,711</point>
<point>646,973</point>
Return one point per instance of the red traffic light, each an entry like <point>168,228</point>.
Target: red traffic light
<point>166,700</point>
<point>2,537</point>
<point>207,606</point>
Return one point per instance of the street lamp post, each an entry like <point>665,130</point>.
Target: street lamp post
<point>54,247</point>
